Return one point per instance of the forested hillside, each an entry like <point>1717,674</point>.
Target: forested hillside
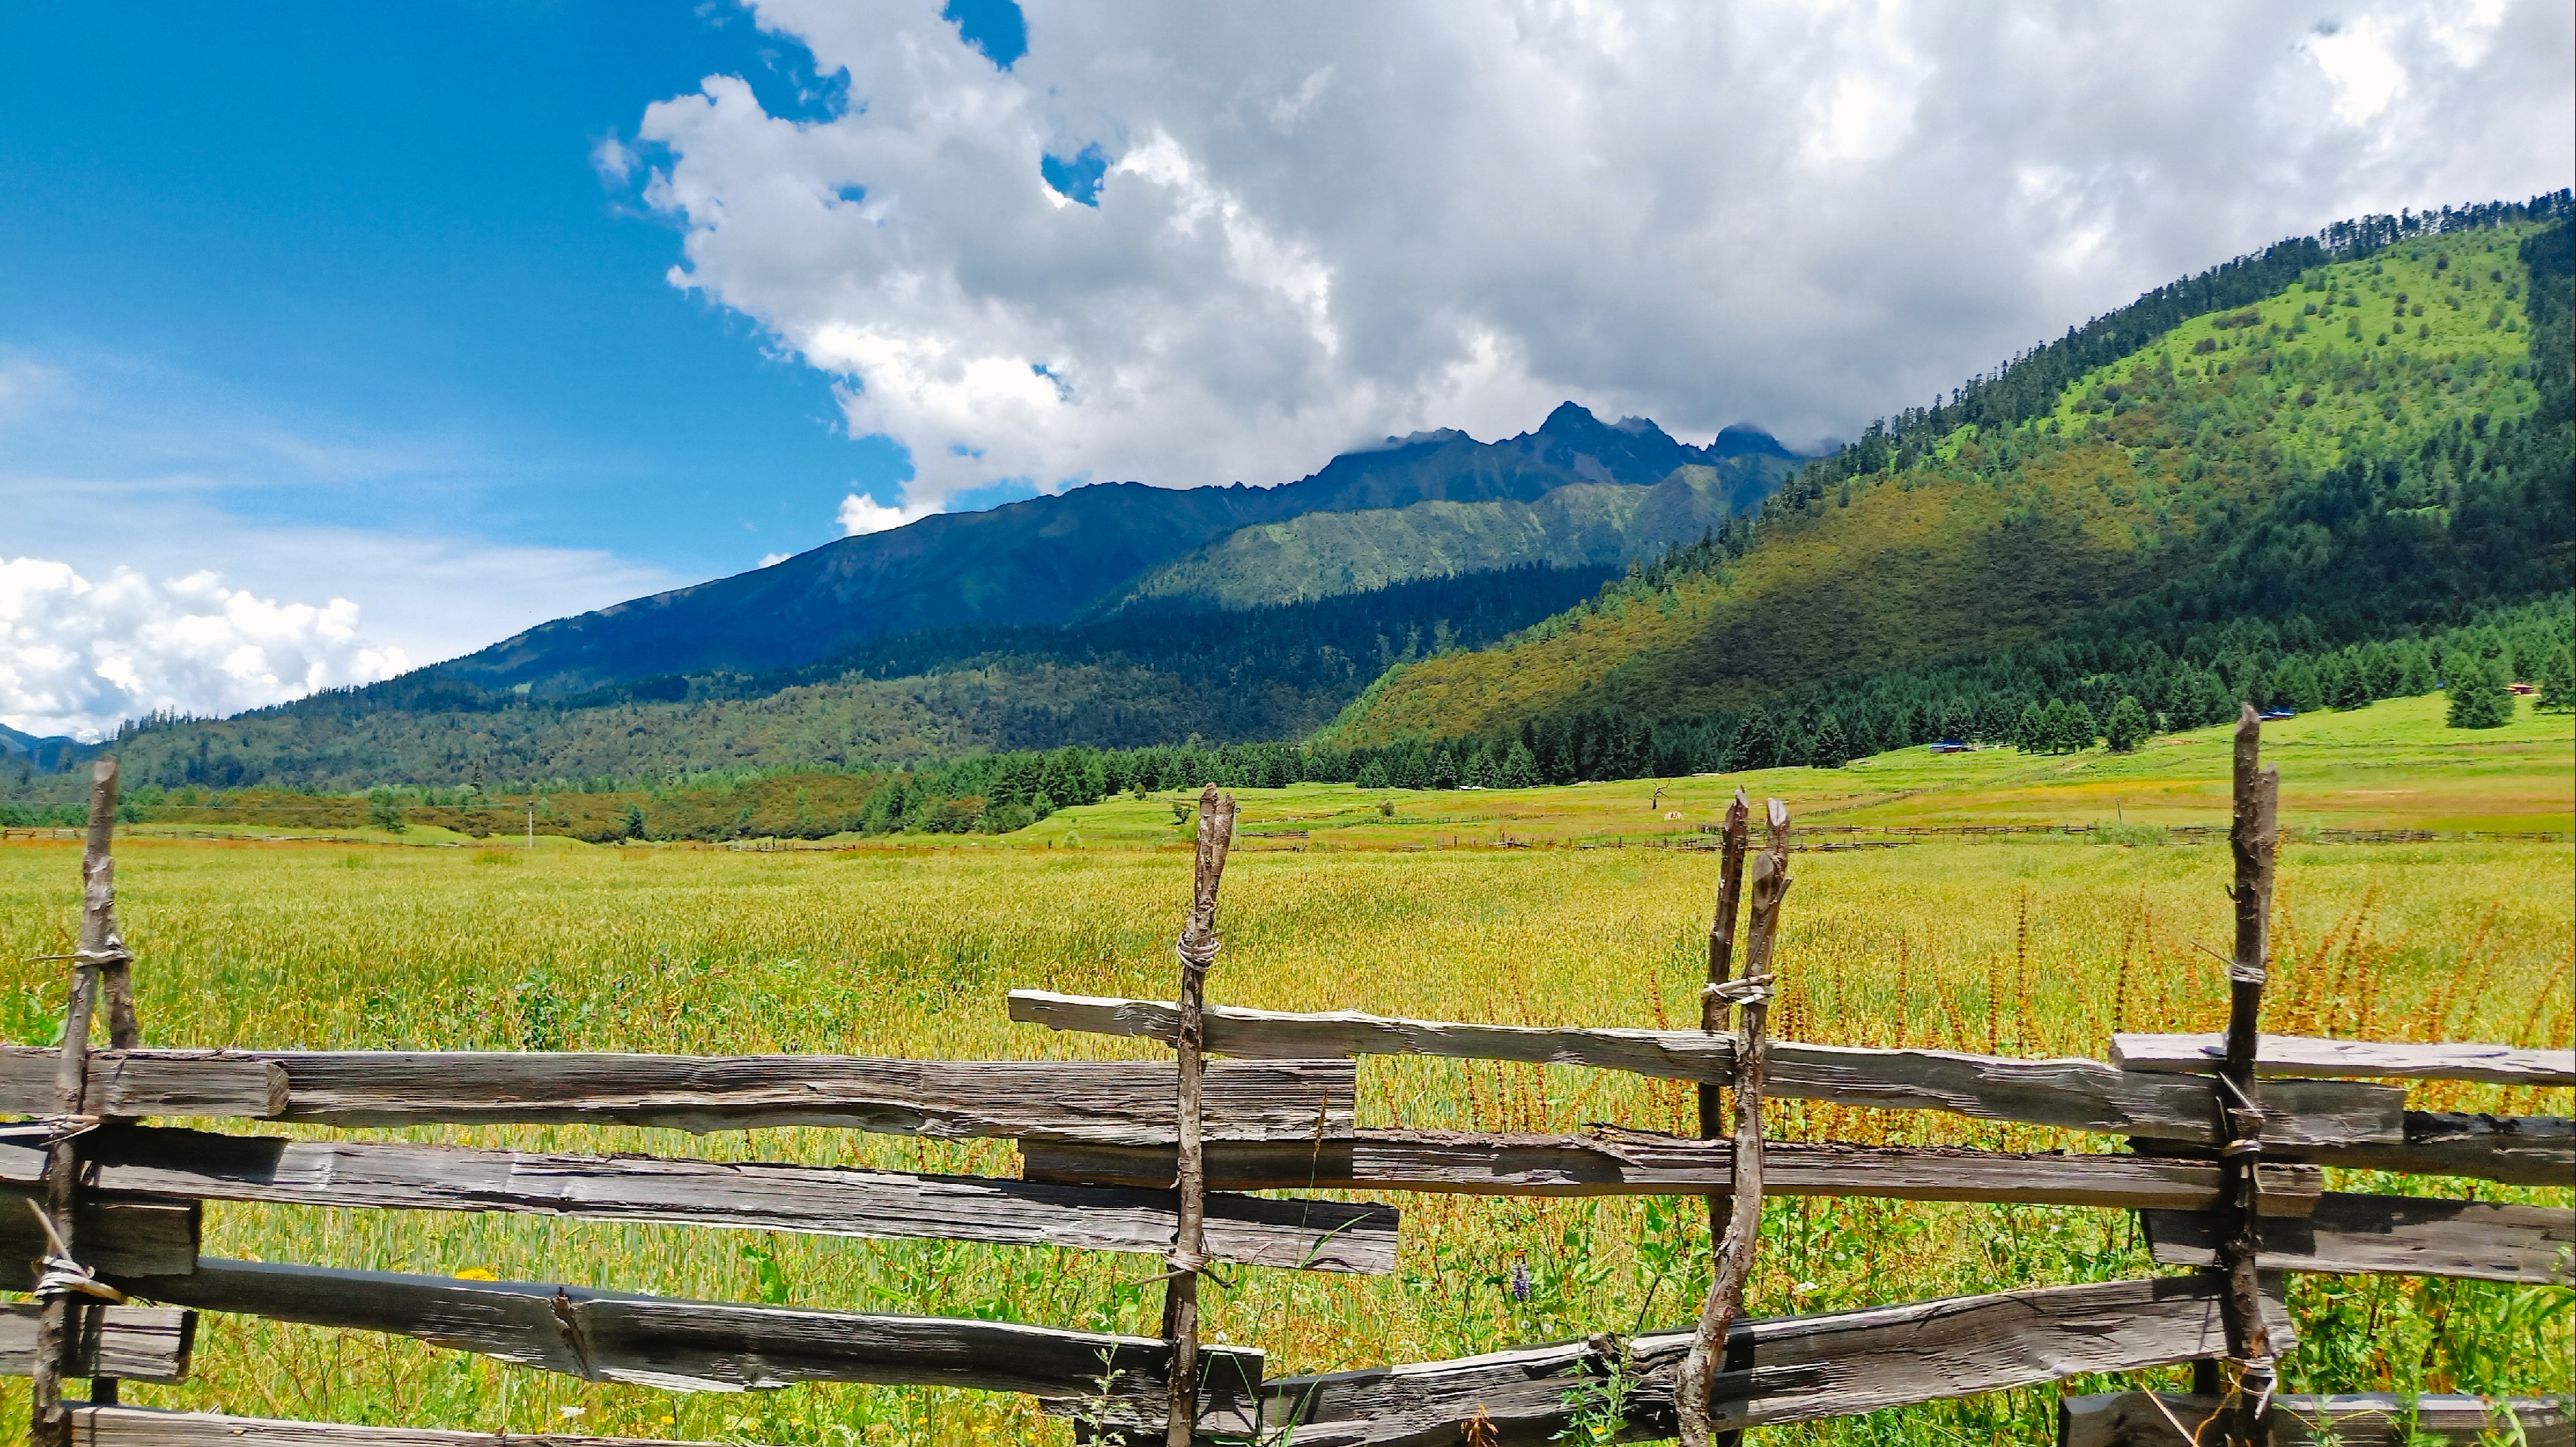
<point>927,696</point>
<point>2372,445</point>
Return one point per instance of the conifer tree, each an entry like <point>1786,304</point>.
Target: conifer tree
<point>2478,697</point>
<point>2029,734</point>
<point>2414,673</point>
<point>2129,725</point>
<point>2557,682</point>
<point>2082,730</point>
<point>1520,768</point>
<point>2294,686</point>
<point>1833,748</point>
<point>2054,728</point>
<point>1373,774</point>
<point>1480,770</point>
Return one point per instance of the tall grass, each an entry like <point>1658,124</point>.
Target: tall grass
<point>2031,947</point>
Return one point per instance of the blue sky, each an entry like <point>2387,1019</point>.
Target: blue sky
<point>378,227</point>
<point>338,338</point>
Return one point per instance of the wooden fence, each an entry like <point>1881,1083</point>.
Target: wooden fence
<point>2230,1135</point>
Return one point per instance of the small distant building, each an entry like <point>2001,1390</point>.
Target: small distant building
<point>2522,688</point>
<point>1949,746</point>
<point>2280,713</point>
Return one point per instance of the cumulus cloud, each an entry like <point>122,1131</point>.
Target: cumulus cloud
<point>1317,226</point>
<point>76,655</point>
<point>861,513</point>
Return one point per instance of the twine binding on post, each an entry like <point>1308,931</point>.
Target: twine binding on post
<point>59,1275</point>
<point>1753,991</point>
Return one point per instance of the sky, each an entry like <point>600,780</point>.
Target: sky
<point>336,340</point>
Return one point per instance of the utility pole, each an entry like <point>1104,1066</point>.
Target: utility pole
<point>532,827</point>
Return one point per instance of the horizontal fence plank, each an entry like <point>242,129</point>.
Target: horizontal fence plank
<point>1801,1368</point>
<point>2072,1094</point>
<point>605,1336</point>
<point>1629,1163</point>
<point>94,1426</point>
<point>131,1083</point>
<point>2359,1059</point>
<point>2376,1419</point>
<point>1124,1102</point>
<point>137,1343</point>
<point>1312,1235</point>
<point>2520,1150</point>
<point>130,1238</point>
<point>2403,1235</point>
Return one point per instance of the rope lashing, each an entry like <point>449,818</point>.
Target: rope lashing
<point>1752,991</point>
<point>59,1275</point>
<point>115,954</point>
<point>1198,948</point>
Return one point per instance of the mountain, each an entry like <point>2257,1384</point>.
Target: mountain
<point>1054,559</point>
<point>1324,553</point>
<point>2338,439</point>
<point>44,754</point>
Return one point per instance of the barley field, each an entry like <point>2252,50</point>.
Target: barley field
<point>2034,946</point>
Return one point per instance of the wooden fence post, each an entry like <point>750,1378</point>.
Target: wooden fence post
<point>1197,948</point>
<point>2252,838</point>
<point>99,951</point>
<point>1744,1228</point>
<point>1721,967</point>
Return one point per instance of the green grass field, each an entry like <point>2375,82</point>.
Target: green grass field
<point>2390,765</point>
<point>2030,945</point>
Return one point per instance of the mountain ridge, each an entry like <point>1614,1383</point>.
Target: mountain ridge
<point>1048,559</point>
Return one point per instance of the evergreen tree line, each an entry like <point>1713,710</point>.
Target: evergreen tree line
<point>2048,698</point>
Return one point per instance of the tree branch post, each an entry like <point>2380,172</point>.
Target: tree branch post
<point>1744,1226</point>
<point>2253,838</point>
<point>100,948</point>
<point>1721,968</point>
<point>1197,948</point>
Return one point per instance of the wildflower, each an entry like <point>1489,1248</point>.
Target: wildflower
<point>570,1411</point>
<point>476,1273</point>
<point>1520,1287</point>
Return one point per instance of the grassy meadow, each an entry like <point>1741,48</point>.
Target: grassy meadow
<point>2030,945</point>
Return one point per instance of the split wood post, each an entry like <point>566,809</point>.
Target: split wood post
<point>100,949</point>
<point>1744,1228</point>
<point>1197,948</point>
<point>2252,838</point>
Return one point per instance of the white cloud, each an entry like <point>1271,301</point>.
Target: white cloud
<point>1319,227</point>
<point>195,477</point>
<point>861,513</point>
<point>76,655</point>
<point>2355,59</point>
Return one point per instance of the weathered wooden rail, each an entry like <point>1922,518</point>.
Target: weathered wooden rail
<point>1143,1157</point>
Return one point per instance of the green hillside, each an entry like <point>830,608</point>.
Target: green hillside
<point>1320,554</point>
<point>2365,448</point>
<point>927,696</point>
